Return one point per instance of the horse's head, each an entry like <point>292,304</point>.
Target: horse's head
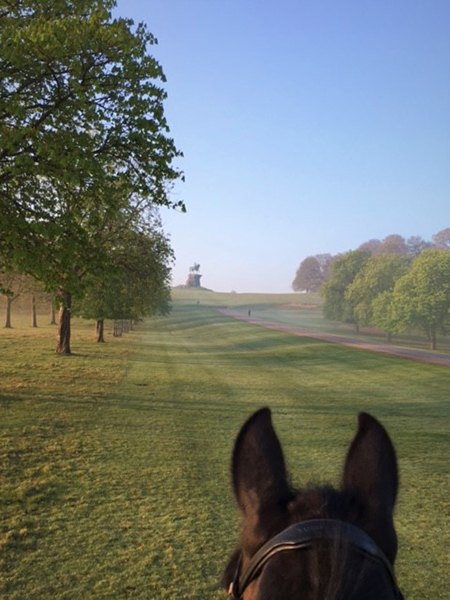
<point>316,543</point>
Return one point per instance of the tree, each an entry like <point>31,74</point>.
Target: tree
<point>14,285</point>
<point>422,296</point>
<point>82,131</point>
<point>392,244</point>
<point>308,277</point>
<point>138,282</point>
<point>343,272</point>
<point>379,274</point>
<point>442,239</point>
<point>325,261</point>
<point>415,245</point>
<point>37,297</point>
<point>312,272</point>
<point>383,314</point>
<point>370,246</point>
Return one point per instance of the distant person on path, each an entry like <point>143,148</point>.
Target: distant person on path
<point>249,313</point>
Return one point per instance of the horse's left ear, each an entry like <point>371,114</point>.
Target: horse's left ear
<point>259,472</point>
<point>370,472</point>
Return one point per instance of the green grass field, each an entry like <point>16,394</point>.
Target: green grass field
<point>115,461</point>
<point>302,310</point>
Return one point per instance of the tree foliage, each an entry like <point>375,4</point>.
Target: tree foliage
<point>84,139</point>
<point>138,284</point>
<point>383,314</point>
<point>390,292</point>
<point>312,272</point>
<point>392,244</point>
<point>392,284</point>
<point>441,239</point>
<point>378,275</point>
<point>343,272</point>
<point>370,246</point>
<point>415,245</point>
<point>422,296</point>
<point>308,277</point>
<point>80,104</point>
<point>81,112</point>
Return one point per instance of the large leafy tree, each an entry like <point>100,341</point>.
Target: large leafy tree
<point>312,272</point>
<point>370,246</point>
<point>396,244</point>
<point>384,315</point>
<point>415,245</point>
<point>309,276</point>
<point>392,244</point>
<point>344,269</point>
<point>422,296</point>
<point>82,129</point>
<point>138,281</point>
<point>442,239</point>
<point>379,274</point>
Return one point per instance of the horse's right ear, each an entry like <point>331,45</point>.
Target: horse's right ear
<point>258,470</point>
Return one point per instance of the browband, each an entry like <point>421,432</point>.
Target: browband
<point>304,535</point>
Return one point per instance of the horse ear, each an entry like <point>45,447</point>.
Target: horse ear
<point>258,469</point>
<point>370,468</point>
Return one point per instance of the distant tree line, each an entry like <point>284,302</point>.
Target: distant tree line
<point>391,284</point>
<point>17,287</point>
<point>85,160</point>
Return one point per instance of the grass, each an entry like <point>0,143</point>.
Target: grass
<point>301,310</point>
<point>114,461</point>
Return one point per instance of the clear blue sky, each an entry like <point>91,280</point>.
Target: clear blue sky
<point>307,127</point>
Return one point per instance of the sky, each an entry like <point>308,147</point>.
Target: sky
<point>307,127</point>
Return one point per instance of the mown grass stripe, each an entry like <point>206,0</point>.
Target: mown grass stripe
<point>116,485</point>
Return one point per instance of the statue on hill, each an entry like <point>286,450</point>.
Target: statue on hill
<point>194,276</point>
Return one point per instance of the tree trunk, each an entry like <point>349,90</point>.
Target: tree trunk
<point>389,337</point>
<point>100,330</point>
<point>63,346</point>
<point>33,310</point>
<point>8,312</point>
<point>131,324</point>
<point>53,314</point>
<point>118,329</point>
<point>433,340</point>
<point>356,328</point>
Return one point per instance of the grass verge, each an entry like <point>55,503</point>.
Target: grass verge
<point>114,462</point>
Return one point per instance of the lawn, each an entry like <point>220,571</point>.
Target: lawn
<point>115,461</point>
<point>305,311</point>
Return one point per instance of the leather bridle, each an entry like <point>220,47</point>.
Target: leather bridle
<point>305,535</point>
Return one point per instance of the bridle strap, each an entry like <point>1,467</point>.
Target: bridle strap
<point>304,535</point>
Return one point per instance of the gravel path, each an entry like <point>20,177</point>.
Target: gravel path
<point>425,356</point>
